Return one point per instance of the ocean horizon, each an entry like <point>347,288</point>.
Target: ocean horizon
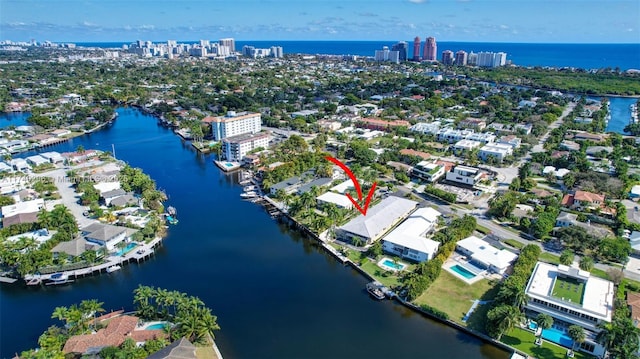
<point>622,56</point>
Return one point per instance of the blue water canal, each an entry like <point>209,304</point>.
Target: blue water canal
<point>276,294</point>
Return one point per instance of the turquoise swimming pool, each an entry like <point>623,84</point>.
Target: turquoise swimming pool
<point>557,336</point>
<point>462,271</point>
<point>156,326</point>
<point>228,164</point>
<point>127,249</point>
<point>388,263</point>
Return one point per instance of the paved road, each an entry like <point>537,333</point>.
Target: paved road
<point>68,195</point>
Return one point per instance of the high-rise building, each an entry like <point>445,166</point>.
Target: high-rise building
<point>491,59</point>
<point>499,59</point>
<point>430,49</point>
<point>204,43</point>
<point>228,42</point>
<point>461,58</point>
<point>248,51</point>
<point>447,57</point>
<point>472,59</point>
<point>234,124</point>
<point>386,55</point>
<point>276,51</point>
<point>402,49</point>
<point>236,147</point>
<point>416,49</point>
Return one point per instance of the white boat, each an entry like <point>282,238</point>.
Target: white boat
<point>59,278</point>
<point>250,188</point>
<point>113,268</point>
<point>250,194</point>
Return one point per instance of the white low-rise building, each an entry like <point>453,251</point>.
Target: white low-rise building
<point>340,200</point>
<point>342,187</point>
<point>53,157</point>
<point>428,171</point>
<point>486,256</point>
<point>107,235</point>
<point>378,221</point>
<point>37,160</point>
<point>22,207</point>
<point>464,175</point>
<point>463,146</point>
<point>408,239</point>
<point>496,150</point>
<point>550,291</point>
<point>19,164</point>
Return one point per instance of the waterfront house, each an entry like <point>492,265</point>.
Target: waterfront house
<point>572,297</point>
<point>114,333</point>
<point>53,157</point>
<point>318,182</point>
<point>289,185</point>
<point>31,217</point>
<point>15,145</point>
<point>61,132</point>
<point>484,255</point>
<point>378,221</point>
<point>76,157</point>
<point>73,248</point>
<point>126,200</point>
<point>109,196</point>
<point>340,200</point>
<point>107,235</point>
<point>409,241</point>
<point>179,349</point>
<point>36,160</point>
<point>5,167</point>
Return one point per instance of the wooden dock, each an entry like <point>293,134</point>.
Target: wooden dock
<point>142,252</point>
<point>7,280</point>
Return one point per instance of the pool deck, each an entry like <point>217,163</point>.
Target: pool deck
<point>385,267</point>
<point>451,262</point>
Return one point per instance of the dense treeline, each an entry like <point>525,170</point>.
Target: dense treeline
<point>577,81</point>
<point>511,296</point>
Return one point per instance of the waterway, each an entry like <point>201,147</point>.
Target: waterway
<point>276,294</point>
<point>620,110</point>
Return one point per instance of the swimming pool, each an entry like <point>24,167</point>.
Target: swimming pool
<point>156,326</point>
<point>557,336</point>
<point>462,271</point>
<point>127,249</point>
<point>389,264</point>
<point>533,326</point>
<point>227,164</point>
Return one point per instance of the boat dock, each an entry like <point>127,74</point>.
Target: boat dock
<point>141,253</point>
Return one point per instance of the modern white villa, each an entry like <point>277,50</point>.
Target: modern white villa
<point>409,240</point>
<point>107,235</point>
<point>378,221</point>
<point>484,255</point>
<point>428,171</point>
<point>464,175</point>
<point>572,297</point>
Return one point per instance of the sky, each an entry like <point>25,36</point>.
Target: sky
<point>531,21</point>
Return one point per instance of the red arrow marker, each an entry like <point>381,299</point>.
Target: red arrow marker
<point>346,169</point>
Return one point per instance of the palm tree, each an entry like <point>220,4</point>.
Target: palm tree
<point>142,300</point>
<point>520,298</point>
<point>92,307</point>
<point>504,318</point>
<point>576,333</point>
<point>61,313</point>
<point>44,218</point>
<point>586,263</point>
<point>544,322</point>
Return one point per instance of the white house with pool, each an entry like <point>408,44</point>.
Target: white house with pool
<point>483,255</point>
<point>409,240</point>
<point>572,297</point>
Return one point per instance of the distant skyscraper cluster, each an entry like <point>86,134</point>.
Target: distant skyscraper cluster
<point>253,52</point>
<point>170,49</point>
<point>400,52</point>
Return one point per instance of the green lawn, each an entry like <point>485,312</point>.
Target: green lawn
<point>568,289</point>
<point>549,258</point>
<point>514,243</point>
<point>482,229</point>
<point>524,340</point>
<point>453,296</point>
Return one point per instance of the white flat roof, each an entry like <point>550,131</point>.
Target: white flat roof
<point>486,253</point>
<point>597,300</point>
<point>106,186</point>
<point>411,233</point>
<point>338,199</point>
<point>342,187</point>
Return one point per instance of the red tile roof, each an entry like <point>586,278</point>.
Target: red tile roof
<point>584,196</point>
<point>633,300</point>
<point>118,329</point>
<point>567,200</point>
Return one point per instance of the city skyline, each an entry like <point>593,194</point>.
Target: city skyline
<point>534,21</point>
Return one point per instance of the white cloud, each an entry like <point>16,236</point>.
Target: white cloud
<point>504,26</point>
